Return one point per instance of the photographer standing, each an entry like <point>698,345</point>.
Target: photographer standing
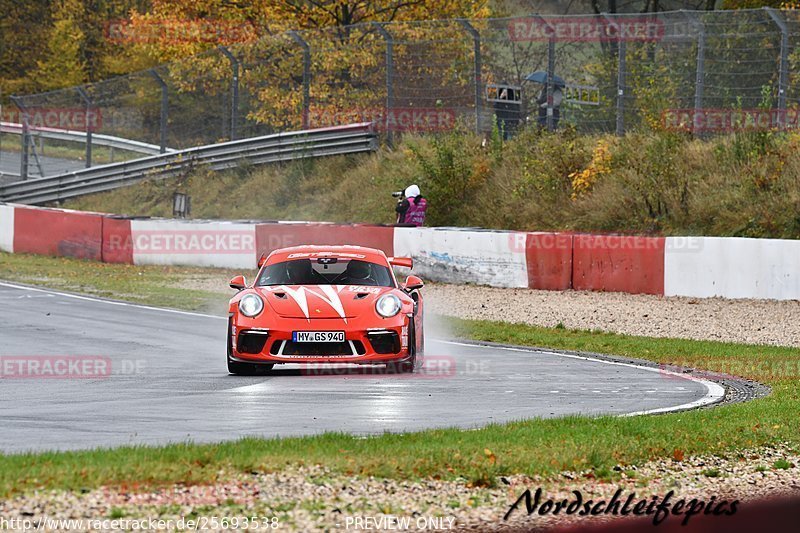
<point>411,209</point>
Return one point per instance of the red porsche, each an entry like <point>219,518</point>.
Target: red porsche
<point>326,304</point>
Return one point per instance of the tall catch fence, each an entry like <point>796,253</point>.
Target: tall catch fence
<point>704,71</point>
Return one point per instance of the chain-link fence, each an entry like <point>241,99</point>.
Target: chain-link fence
<point>703,71</point>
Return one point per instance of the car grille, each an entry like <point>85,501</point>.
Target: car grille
<point>249,342</point>
<point>291,348</point>
<point>384,341</point>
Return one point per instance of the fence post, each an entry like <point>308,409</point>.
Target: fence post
<point>783,79</point>
<point>551,66</point>
<point>23,154</point>
<point>88,102</point>
<point>164,109</point>
<point>700,75</point>
<point>476,43</point>
<point>389,76</point>
<point>550,81</point>
<point>234,88</point>
<point>620,129</point>
<point>306,76</point>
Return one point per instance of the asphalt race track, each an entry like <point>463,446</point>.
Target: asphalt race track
<point>9,165</point>
<point>168,383</point>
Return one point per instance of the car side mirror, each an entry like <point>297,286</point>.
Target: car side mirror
<point>413,283</point>
<point>238,283</point>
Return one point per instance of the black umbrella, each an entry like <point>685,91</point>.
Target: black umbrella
<point>540,76</point>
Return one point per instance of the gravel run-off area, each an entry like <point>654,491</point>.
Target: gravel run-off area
<point>717,319</point>
<point>313,499</point>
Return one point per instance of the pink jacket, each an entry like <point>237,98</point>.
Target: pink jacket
<point>416,211</point>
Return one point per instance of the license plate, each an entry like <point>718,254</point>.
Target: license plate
<point>318,336</point>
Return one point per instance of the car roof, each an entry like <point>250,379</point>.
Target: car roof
<point>349,252</point>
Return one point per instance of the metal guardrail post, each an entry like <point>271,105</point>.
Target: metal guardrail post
<point>476,43</point>
<point>389,76</point>
<point>23,154</point>
<point>164,109</point>
<point>234,89</point>
<point>783,77</point>
<point>306,76</point>
<point>88,102</point>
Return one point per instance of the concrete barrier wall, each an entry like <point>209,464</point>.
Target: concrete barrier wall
<point>6,228</point>
<point>117,241</point>
<point>681,266</point>
<point>58,232</point>
<point>272,236</point>
<point>732,268</point>
<point>464,256</point>
<point>207,244</point>
<point>548,257</point>
<point>619,264</point>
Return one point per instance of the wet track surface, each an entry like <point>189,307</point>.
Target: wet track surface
<point>9,166</point>
<point>168,383</point>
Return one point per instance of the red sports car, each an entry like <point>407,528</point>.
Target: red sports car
<point>326,304</point>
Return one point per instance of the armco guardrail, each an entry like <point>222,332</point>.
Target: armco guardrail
<point>80,136</point>
<point>350,139</point>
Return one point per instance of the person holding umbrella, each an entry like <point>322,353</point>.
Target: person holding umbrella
<point>541,99</point>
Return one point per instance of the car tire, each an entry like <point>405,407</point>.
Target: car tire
<point>248,369</point>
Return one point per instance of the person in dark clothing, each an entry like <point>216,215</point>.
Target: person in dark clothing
<point>411,210</point>
<point>541,101</point>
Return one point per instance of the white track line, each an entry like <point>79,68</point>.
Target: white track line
<point>105,301</point>
<point>714,391</point>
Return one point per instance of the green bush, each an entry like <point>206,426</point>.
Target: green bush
<point>745,184</point>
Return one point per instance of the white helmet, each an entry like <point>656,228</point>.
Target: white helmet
<point>412,190</point>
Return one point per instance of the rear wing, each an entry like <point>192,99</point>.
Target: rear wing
<point>404,262</point>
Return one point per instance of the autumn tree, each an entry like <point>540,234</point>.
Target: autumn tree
<point>63,63</point>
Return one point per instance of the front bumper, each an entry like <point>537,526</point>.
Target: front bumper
<point>252,343</point>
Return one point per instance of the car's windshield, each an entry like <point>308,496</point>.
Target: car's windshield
<point>326,271</point>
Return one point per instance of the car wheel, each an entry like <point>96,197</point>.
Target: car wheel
<point>248,369</point>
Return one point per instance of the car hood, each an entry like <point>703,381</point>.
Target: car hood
<point>321,301</point>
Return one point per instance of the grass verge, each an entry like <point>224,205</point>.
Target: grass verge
<point>535,447</point>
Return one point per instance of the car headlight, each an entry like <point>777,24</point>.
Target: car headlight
<point>388,305</point>
<point>251,305</point>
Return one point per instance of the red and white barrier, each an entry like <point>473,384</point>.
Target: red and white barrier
<point>276,235</point>
<point>618,264</point>
<point>674,266</point>
<point>6,228</point>
<point>58,232</point>
<point>464,256</point>
<point>732,267</point>
<point>206,244</point>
